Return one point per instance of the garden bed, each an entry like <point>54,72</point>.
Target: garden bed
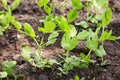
<point>12,42</point>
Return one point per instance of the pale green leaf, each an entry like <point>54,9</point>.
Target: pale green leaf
<point>49,27</point>
<point>29,30</point>
<point>26,53</point>
<point>3,74</point>
<point>100,52</point>
<point>106,17</point>
<point>15,4</point>
<point>72,15</point>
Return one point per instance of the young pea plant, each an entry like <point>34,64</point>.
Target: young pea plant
<point>100,21</point>
<point>36,60</point>
<point>7,71</point>
<point>6,17</point>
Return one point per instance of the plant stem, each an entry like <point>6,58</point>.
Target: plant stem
<point>89,54</point>
<point>67,53</point>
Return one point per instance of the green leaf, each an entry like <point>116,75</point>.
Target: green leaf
<point>69,43</point>
<point>41,3</point>
<point>65,43</point>
<point>83,35</point>
<point>1,30</point>
<point>76,77</point>
<point>52,61</point>
<point>52,38</point>
<point>48,28</point>
<point>100,52</point>
<point>52,41</point>
<point>73,42</point>
<point>72,15</point>
<point>63,24</point>
<point>73,31</point>
<point>106,17</point>
<point>9,64</point>
<point>53,35</point>
<point>29,30</point>
<point>3,74</point>
<point>99,4</point>
<point>47,9</point>
<point>84,24</point>
<point>4,3</point>
<point>107,36</point>
<point>77,4</point>
<point>17,25</point>
<point>92,43</point>
<point>26,51</point>
<point>15,4</point>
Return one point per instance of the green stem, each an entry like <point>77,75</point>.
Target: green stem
<point>67,53</point>
<point>89,54</point>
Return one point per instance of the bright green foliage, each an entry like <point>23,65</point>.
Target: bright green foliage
<point>107,36</point>
<point>41,3</point>
<point>84,24</point>
<point>106,17</point>
<point>76,77</point>
<point>99,4</point>
<point>4,3</point>
<point>77,4</point>
<point>83,35</point>
<point>15,4</point>
<point>52,38</point>
<point>73,31</point>
<point>100,52</point>
<point>29,30</point>
<point>36,59</point>
<point>47,9</point>
<point>92,42</point>
<point>26,51</point>
<point>49,27</point>
<point>72,15</point>
<point>3,74</point>
<point>69,43</point>
<point>7,66</point>
<point>63,24</point>
<point>17,25</point>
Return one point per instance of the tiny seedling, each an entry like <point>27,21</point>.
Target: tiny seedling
<point>7,70</point>
<point>36,60</point>
<point>6,17</point>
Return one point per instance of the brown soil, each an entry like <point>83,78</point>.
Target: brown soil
<point>12,42</point>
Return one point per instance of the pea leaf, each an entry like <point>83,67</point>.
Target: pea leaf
<point>107,36</point>
<point>99,4</point>
<point>4,3</point>
<point>77,4</point>
<point>1,30</point>
<point>9,64</point>
<point>106,17</point>
<point>26,53</point>
<point>47,9</point>
<point>63,24</point>
<point>100,52</point>
<point>83,35</point>
<point>84,24</point>
<point>48,28</point>
<point>17,25</point>
<point>52,38</point>
<point>15,4</point>
<point>73,31</point>
<point>29,30</point>
<point>3,74</point>
<point>92,43</point>
<point>72,15</point>
<point>41,3</point>
<point>69,43</point>
<point>76,77</point>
